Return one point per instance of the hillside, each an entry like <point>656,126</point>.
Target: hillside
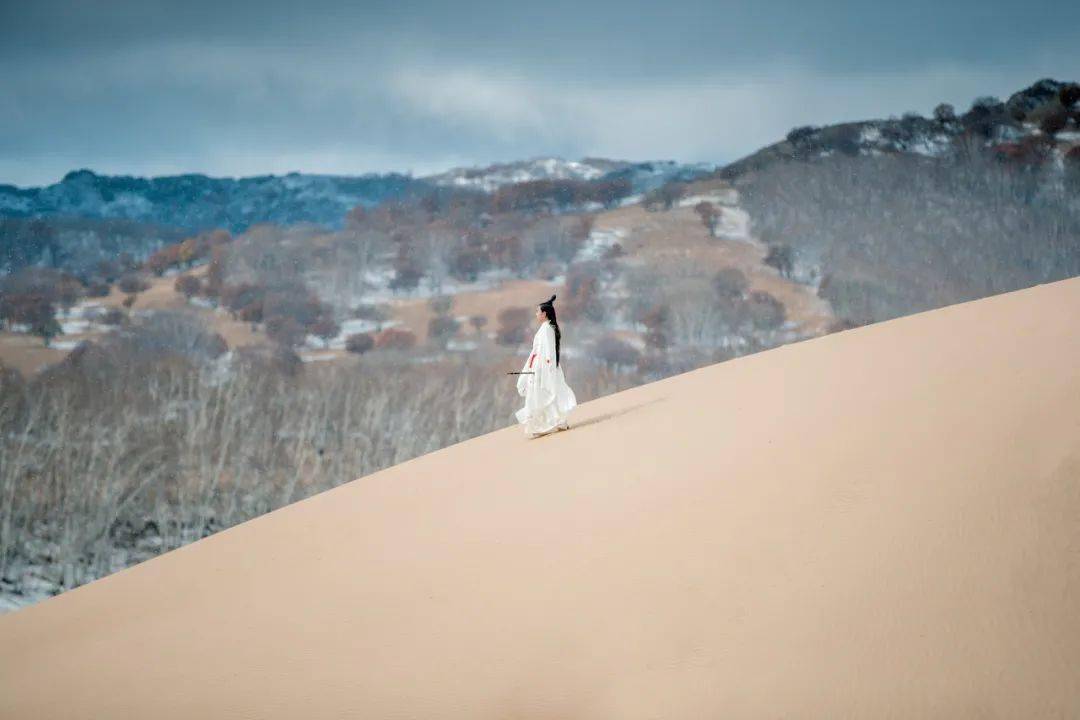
<point>1016,129</point>
<point>662,242</point>
<point>87,218</point>
<point>877,523</point>
<point>197,202</point>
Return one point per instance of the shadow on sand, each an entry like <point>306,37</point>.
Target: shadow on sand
<point>599,418</point>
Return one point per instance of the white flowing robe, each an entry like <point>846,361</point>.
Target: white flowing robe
<point>548,399</point>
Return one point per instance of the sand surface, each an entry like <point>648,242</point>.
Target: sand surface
<point>879,523</point>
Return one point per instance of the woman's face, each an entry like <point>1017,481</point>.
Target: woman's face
<point>540,316</point>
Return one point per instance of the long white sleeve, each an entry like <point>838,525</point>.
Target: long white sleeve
<point>524,381</point>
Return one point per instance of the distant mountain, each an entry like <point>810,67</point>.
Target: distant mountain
<point>1006,126</point>
<point>643,176</point>
<point>87,217</point>
<point>198,202</point>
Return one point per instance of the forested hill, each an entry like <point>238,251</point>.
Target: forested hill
<point>198,202</point>
<point>1021,128</point>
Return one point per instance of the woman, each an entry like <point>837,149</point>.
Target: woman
<point>548,398</point>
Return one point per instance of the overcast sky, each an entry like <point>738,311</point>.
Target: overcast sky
<point>149,87</point>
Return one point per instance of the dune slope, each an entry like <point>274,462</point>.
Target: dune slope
<point>879,523</point>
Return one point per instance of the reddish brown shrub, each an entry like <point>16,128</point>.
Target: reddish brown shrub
<point>97,288</point>
<point>187,285</point>
<point>114,316</point>
<point>442,328</point>
<point>478,322</point>
<point>252,313</point>
<point>285,331</point>
<point>730,283</point>
<point>132,283</point>
<point>710,216</point>
<point>764,310</point>
<point>513,322</point>
<point>656,323</point>
<point>325,329</point>
<point>394,339</point>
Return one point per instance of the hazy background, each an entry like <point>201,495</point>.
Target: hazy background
<point>245,88</point>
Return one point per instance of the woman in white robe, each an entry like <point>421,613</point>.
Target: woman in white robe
<point>548,399</point>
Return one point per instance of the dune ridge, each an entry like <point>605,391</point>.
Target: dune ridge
<point>883,522</point>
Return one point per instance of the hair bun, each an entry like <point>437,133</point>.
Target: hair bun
<point>551,300</point>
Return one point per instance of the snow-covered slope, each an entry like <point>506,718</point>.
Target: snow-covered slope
<point>493,177</point>
<point>643,176</point>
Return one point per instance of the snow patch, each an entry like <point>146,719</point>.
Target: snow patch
<point>727,197</point>
<point>935,146</point>
<point>355,326</point>
<point>735,225</point>
<point>870,135</point>
<point>601,241</point>
<point>493,177</point>
<point>75,327</point>
<point>347,328</point>
<point>317,357</point>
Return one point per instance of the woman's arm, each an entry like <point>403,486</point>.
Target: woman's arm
<point>523,380</point>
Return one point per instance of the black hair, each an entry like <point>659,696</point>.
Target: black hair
<point>548,309</point>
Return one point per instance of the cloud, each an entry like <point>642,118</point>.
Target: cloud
<point>149,90</point>
<point>719,117</point>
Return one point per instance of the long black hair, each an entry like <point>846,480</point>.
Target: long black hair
<point>548,308</point>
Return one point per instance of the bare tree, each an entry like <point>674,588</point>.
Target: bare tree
<point>187,285</point>
<point>781,257</point>
<point>359,343</point>
<point>478,322</point>
<point>325,329</point>
<point>893,235</point>
<point>710,216</point>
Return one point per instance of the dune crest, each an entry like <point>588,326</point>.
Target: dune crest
<point>877,523</point>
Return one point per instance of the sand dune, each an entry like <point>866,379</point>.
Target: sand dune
<point>879,523</point>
